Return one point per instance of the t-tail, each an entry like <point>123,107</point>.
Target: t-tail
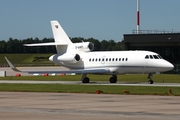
<point>61,39</point>
<point>63,43</point>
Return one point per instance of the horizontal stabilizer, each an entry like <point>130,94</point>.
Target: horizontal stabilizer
<point>46,44</point>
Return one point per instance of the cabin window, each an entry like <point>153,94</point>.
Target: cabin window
<point>123,59</point>
<point>106,59</point>
<point>99,59</point>
<point>96,59</point>
<point>103,59</point>
<point>113,59</point>
<point>116,59</point>
<point>126,59</point>
<point>119,59</point>
<point>93,59</point>
<point>109,59</point>
<point>90,60</point>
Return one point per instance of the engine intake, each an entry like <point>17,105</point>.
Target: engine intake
<point>91,46</point>
<point>77,57</point>
<point>84,46</point>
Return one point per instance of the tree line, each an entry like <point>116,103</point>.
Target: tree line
<point>16,46</point>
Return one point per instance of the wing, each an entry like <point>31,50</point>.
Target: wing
<point>78,71</point>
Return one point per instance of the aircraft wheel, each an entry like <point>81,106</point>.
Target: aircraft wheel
<point>113,79</point>
<point>85,80</point>
<point>150,81</point>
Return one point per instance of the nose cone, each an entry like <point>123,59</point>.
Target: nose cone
<point>168,66</point>
<point>164,66</point>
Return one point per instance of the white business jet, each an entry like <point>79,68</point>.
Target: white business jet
<point>80,59</point>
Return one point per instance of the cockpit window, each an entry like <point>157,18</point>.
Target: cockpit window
<point>155,56</point>
<point>151,56</point>
<point>146,57</point>
<point>159,56</point>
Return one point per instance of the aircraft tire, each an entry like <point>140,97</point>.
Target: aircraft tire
<point>150,81</point>
<point>85,80</point>
<point>113,80</point>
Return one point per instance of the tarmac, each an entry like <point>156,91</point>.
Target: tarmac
<point>69,106</point>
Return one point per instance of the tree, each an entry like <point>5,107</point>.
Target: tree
<point>111,45</point>
<point>119,46</point>
<point>77,39</point>
<point>104,45</point>
<point>14,46</point>
<point>28,49</point>
<point>96,43</point>
<point>3,46</point>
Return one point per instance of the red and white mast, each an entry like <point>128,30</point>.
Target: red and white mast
<point>138,16</point>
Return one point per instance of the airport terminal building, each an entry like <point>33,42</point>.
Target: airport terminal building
<point>165,43</point>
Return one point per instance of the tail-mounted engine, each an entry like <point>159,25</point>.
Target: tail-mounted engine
<point>84,46</point>
<point>68,57</point>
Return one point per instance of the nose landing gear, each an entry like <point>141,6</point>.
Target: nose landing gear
<point>150,81</point>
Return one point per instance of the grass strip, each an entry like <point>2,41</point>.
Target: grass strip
<point>61,88</point>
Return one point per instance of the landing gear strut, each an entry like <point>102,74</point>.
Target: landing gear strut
<point>85,79</point>
<point>113,79</point>
<point>150,81</point>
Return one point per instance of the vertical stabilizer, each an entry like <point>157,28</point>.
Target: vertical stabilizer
<point>60,37</point>
<point>59,34</point>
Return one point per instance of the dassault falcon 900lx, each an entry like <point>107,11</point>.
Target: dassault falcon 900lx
<point>80,59</point>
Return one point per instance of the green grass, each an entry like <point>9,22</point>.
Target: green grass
<point>134,90</point>
<point>166,78</point>
<point>15,58</point>
<point>88,88</point>
<point>26,59</point>
<point>36,59</point>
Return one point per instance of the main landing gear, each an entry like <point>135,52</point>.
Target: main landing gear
<point>113,79</point>
<point>150,81</point>
<point>85,79</point>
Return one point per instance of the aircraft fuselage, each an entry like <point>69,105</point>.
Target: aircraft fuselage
<point>119,62</point>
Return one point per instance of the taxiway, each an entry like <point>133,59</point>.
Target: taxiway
<point>68,106</point>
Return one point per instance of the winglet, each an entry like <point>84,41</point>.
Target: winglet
<point>12,66</point>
